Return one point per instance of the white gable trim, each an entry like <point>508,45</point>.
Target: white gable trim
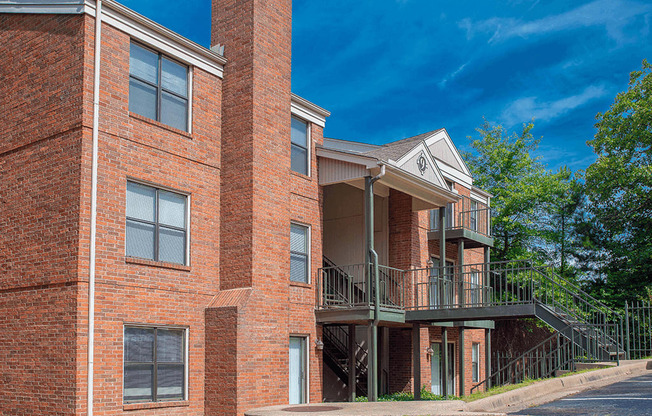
<point>132,23</point>
<point>421,147</point>
<point>443,135</point>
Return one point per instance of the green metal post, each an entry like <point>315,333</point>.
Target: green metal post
<point>445,358</point>
<point>352,363</point>
<point>373,289</point>
<point>629,357</point>
<point>416,360</point>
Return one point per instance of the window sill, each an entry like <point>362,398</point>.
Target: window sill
<point>154,405</point>
<point>159,124</point>
<point>301,175</point>
<point>161,264</point>
<point>301,284</point>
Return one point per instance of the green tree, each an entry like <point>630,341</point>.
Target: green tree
<point>618,188</point>
<point>528,199</point>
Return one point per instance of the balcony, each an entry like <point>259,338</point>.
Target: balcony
<point>343,294</point>
<point>467,220</point>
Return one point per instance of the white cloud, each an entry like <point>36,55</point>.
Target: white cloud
<point>452,75</point>
<point>614,15</point>
<point>524,109</point>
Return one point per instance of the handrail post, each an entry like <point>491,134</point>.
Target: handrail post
<point>627,331</point>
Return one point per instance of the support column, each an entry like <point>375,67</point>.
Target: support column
<point>442,255</point>
<point>462,362</point>
<point>416,360</point>
<point>372,362</point>
<point>460,284</point>
<point>352,363</point>
<point>444,359</point>
<point>487,356</point>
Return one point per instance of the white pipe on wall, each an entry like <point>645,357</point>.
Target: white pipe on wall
<point>91,273</point>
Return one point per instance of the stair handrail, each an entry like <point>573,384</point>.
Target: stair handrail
<point>556,335</point>
<point>360,362</point>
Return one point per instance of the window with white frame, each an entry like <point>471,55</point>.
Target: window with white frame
<point>155,363</point>
<point>157,226</point>
<point>300,142</point>
<point>299,253</point>
<point>158,87</point>
<point>475,362</point>
<point>474,288</point>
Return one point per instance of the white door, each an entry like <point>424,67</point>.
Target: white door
<point>436,365</point>
<point>435,369</point>
<point>297,370</point>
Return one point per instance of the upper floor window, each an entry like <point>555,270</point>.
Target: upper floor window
<point>154,364</point>
<point>299,253</point>
<point>300,142</point>
<point>158,87</point>
<point>156,224</point>
<point>473,216</point>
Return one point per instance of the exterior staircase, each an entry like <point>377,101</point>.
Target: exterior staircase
<point>336,356</point>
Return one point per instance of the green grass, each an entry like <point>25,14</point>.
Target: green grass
<point>403,396</point>
<point>509,387</point>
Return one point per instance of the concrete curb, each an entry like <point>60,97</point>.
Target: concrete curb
<point>550,390</point>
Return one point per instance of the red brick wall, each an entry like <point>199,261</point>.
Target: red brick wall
<point>40,150</point>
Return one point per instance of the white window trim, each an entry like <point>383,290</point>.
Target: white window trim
<point>169,189</point>
<point>475,344</point>
<point>186,358</point>
<point>308,249</point>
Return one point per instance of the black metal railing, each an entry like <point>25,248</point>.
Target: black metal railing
<point>348,287</point>
<point>467,213</point>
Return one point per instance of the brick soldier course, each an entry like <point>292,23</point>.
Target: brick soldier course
<point>232,295</point>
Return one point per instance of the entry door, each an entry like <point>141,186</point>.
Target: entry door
<point>436,365</point>
<point>297,370</point>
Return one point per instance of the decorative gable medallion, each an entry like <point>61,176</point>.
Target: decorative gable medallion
<point>422,164</point>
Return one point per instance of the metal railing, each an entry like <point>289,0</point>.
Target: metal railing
<point>336,346</point>
<point>466,213</point>
<point>511,283</point>
<point>560,351</point>
<point>348,287</point>
<point>638,329</point>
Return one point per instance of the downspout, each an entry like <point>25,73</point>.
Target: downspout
<point>91,273</point>
<point>372,259</point>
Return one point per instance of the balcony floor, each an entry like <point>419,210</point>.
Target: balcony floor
<point>472,239</point>
<point>471,313</point>
<point>359,315</point>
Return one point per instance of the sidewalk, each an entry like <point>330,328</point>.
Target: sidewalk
<point>511,401</point>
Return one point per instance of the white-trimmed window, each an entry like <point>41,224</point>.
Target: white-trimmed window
<point>155,364</point>
<point>434,217</point>
<point>158,87</point>
<point>300,146</point>
<point>299,253</point>
<point>475,362</point>
<point>473,216</point>
<point>157,224</point>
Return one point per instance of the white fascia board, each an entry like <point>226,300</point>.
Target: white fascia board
<point>308,111</point>
<point>454,175</point>
<point>367,162</point>
<point>418,187</point>
<point>135,25</point>
<point>443,135</point>
<point>42,6</point>
<point>479,198</point>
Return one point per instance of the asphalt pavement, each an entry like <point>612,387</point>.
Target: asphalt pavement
<point>632,397</point>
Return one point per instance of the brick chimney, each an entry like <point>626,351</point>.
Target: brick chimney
<point>247,335</point>
<point>257,36</point>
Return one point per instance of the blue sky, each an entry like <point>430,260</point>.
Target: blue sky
<point>389,69</point>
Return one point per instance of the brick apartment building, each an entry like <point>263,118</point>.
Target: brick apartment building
<point>177,233</point>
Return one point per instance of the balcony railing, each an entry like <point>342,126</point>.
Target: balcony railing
<point>467,214</point>
<point>347,287</point>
